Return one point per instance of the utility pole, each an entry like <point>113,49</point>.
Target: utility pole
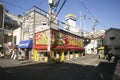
<point>52,3</point>
<point>80,23</point>
<point>94,24</point>
<point>49,25</point>
<point>33,27</point>
<point>84,25</point>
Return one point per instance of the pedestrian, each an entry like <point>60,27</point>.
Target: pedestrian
<point>1,54</point>
<point>27,54</point>
<point>23,54</point>
<point>19,55</point>
<point>15,54</point>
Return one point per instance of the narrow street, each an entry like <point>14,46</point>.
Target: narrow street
<point>84,68</point>
<point>54,40</point>
<point>91,60</point>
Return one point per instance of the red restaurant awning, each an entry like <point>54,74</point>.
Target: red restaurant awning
<point>44,47</point>
<point>75,48</point>
<point>41,47</point>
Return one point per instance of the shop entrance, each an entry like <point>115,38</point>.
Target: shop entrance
<point>43,56</point>
<point>59,55</point>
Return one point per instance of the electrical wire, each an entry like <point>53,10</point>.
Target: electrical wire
<point>57,6</point>
<point>61,7</point>
<point>87,9</point>
<point>83,4</point>
<point>41,2</point>
<point>13,5</point>
<point>38,8</point>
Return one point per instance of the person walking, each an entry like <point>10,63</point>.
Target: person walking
<point>23,54</point>
<point>1,54</point>
<point>15,54</point>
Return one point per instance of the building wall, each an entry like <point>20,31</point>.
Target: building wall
<point>58,38</point>
<point>1,26</point>
<point>113,38</point>
<point>71,20</point>
<point>112,41</point>
<point>91,48</point>
<point>33,22</point>
<point>8,23</point>
<point>17,34</point>
<point>63,45</point>
<point>1,15</point>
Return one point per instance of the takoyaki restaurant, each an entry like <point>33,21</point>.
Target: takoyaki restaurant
<point>63,46</point>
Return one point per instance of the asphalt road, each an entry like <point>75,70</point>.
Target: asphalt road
<point>91,60</point>
<point>76,69</point>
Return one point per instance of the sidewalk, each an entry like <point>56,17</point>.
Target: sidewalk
<point>12,63</point>
<point>116,75</point>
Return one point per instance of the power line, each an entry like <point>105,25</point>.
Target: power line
<point>83,4</point>
<point>13,5</point>
<point>41,2</point>
<point>57,6</point>
<point>61,7</point>
<point>35,7</point>
<point>87,9</point>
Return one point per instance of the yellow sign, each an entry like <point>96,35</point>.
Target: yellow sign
<point>70,15</point>
<point>9,33</point>
<point>59,38</point>
<point>101,48</point>
<point>41,38</point>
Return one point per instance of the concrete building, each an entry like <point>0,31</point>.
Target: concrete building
<point>8,22</point>
<point>70,21</point>
<point>17,36</point>
<point>49,41</point>
<point>94,37</point>
<point>35,20</point>
<point>112,42</point>
<point>1,24</point>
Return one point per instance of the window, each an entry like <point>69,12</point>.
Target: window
<point>112,38</point>
<point>14,39</point>
<point>6,20</point>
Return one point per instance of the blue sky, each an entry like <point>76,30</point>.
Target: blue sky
<point>107,12</point>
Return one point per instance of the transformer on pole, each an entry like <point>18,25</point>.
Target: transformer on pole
<point>53,3</point>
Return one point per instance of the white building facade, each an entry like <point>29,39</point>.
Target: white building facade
<point>17,36</point>
<point>91,48</point>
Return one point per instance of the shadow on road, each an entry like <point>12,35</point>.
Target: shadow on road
<point>106,69</point>
<point>62,71</point>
